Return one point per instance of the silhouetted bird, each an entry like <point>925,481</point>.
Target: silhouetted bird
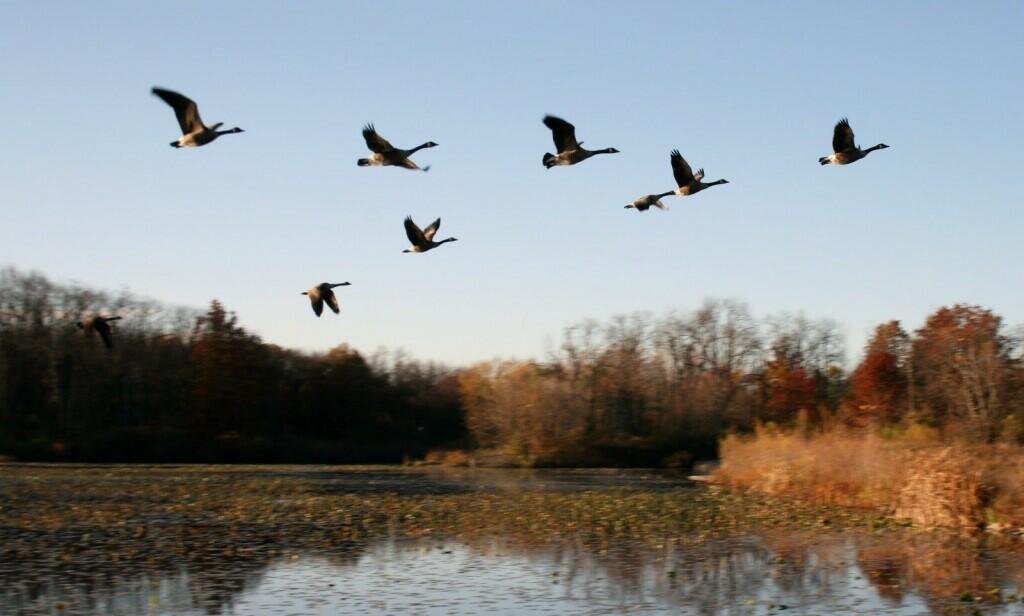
<point>570,151</point>
<point>193,132</point>
<point>385,154</point>
<point>423,240</point>
<point>688,181</point>
<point>642,204</point>
<point>100,325</point>
<point>322,293</point>
<point>845,151</point>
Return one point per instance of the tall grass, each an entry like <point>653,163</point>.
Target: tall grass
<point>911,474</point>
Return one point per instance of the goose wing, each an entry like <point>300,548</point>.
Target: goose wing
<point>101,327</point>
<point>681,169</point>
<point>563,133</point>
<point>414,233</point>
<point>316,300</point>
<point>431,229</point>
<point>375,142</point>
<point>842,138</point>
<point>408,164</point>
<point>185,109</point>
<point>332,301</point>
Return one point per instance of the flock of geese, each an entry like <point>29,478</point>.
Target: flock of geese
<point>569,151</point>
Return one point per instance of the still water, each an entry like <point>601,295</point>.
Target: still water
<point>343,540</point>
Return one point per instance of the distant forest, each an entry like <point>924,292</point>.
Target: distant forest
<point>183,385</point>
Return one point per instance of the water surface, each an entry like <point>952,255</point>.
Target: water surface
<point>329,540</point>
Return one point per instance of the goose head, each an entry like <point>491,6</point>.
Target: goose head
<point>430,144</point>
<point>225,132</point>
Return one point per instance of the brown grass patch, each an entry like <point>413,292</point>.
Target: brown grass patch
<point>911,476</point>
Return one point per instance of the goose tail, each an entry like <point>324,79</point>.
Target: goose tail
<point>824,160</point>
<point>548,160</point>
<point>363,162</point>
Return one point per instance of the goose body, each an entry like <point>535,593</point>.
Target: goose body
<point>383,154</point>
<point>100,325</point>
<point>642,204</point>
<point>688,182</point>
<point>422,240</point>
<point>323,293</point>
<point>569,150</point>
<point>844,150</point>
<point>193,132</point>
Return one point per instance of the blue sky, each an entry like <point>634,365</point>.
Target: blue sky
<point>91,191</point>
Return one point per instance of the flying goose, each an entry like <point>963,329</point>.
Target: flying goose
<point>844,149</point>
<point>193,132</point>
<point>423,239</point>
<point>688,181</point>
<point>385,154</point>
<point>101,325</point>
<point>570,151</point>
<point>642,204</point>
<point>322,293</point>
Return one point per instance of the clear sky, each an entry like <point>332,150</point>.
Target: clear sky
<point>91,192</point>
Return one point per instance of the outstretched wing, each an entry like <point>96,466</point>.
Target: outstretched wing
<point>104,331</point>
<point>316,300</point>
<point>563,133</point>
<point>185,109</point>
<point>842,138</point>
<point>375,142</point>
<point>431,230</point>
<point>332,301</point>
<point>413,232</point>
<point>681,169</point>
<point>408,164</point>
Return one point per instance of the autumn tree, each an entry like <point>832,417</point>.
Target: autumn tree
<point>965,369</point>
<point>878,385</point>
<point>803,375</point>
<point>233,378</point>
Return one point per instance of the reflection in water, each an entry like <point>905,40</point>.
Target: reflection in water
<point>258,562</point>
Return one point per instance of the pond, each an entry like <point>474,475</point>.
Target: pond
<point>81,539</point>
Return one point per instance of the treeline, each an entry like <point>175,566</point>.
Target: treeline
<point>644,390</point>
<point>182,385</point>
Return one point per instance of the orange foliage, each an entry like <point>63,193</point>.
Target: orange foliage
<point>878,384</point>
<point>789,390</point>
